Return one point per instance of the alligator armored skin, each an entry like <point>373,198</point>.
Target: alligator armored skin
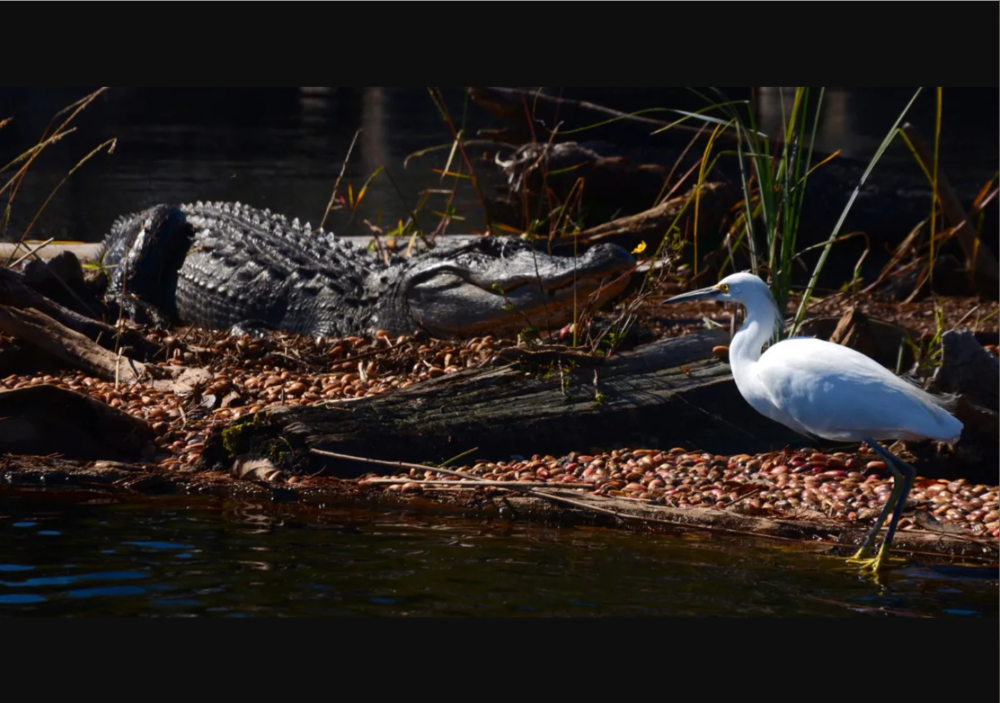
<point>227,265</point>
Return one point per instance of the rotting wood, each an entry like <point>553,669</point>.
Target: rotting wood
<point>673,392</point>
<point>15,293</point>
<point>651,225</point>
<point>54,338</point>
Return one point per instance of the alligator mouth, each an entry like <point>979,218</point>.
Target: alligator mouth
<point>542,292</point>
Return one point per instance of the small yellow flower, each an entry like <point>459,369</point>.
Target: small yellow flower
<point>639,249</point>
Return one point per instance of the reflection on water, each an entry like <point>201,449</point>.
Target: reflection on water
<point>283,148</point>
<point>277,148</point>
<point>61,555</point>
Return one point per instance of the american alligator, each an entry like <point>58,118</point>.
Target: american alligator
<point>228,265</point>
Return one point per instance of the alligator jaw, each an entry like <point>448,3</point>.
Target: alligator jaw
<point>525,289</point>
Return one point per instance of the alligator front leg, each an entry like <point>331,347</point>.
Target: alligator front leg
<point>146,250</point>
<point>254,328</point>
<point>138,310</point>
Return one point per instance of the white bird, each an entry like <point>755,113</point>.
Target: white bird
<point>829,391</point>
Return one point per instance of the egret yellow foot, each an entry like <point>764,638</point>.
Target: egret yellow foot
<point>872,563</point>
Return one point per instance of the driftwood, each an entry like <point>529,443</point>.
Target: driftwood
<point>967,368</point>
<point>46,419</point>
<point>15,293</point>
<point>651,225</point>
<point>59,341</point>
<point>673,392</point>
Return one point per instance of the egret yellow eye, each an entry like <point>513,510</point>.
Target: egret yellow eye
<point>724,287</point>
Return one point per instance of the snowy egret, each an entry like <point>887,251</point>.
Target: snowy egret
<point>829,391</point>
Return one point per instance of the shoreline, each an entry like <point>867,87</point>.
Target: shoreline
<point>561,506</point>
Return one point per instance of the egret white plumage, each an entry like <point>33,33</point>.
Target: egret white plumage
<point>829,391</point>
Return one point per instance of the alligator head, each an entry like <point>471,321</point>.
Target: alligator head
<point>496,285</point>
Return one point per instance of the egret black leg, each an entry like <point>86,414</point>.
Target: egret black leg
<point>903,475</point>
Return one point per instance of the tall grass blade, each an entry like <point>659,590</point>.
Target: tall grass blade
<point>843,215</point>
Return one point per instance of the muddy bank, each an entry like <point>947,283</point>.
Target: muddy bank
<point>936,540</point>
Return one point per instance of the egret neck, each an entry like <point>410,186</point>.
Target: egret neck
<point>759,327</point>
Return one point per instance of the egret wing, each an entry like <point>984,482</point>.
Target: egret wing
<point>839,393</point>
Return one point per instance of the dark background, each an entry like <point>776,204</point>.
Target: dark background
<point>283,147</point>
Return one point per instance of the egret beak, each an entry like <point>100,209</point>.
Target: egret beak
<point>710,293</point>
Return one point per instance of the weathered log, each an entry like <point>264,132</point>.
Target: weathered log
<point>612,182</point>
<point>56,339</point>
<point>967,368</point>
<point>46,419</point>
<point>674,392</point>
<point>15,293</point>
<point>650,226</point>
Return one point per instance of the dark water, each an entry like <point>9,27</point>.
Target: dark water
<point>61,555</point>
<point>284,147</point>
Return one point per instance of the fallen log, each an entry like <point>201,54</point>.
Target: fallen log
<point>55,339</point>
<point>626,197</point>
<point>674,392</point>
<point>45,419</point>
<point>650,226</point>
<point>614,180</point>
<point>15,293</point>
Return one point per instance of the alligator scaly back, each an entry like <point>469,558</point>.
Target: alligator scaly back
<point>249,266</point>
<point>227,265</point>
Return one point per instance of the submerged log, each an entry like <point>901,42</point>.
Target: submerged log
<point>674,392</point>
